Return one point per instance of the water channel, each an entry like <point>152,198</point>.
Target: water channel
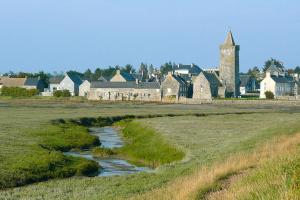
<point>110,166</point>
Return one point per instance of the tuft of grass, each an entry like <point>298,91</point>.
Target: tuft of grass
<point>102,152</point>
<point>144,145</point>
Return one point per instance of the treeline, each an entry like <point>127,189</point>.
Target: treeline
<point>144,71</point>
<point>18,92</point>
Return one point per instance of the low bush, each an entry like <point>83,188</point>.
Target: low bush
<point>102,152</point>
<point>269,95</point>
<point>61,93</point>
<point>18,92</point>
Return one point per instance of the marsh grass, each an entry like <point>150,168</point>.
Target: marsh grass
<point>145,146</point>
<point>100,152</point>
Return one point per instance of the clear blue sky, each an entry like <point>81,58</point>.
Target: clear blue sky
<point>58,35</point>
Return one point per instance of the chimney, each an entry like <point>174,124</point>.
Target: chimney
<point>137,81</point>
<point>118,72</point>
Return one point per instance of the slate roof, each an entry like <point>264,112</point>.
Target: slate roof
<point>211,77</point>
<point>143,85</point>
<point>127,76</point>
<point>56,79</point>
<point>32,81</point>
<point>282,79</point>
<point>179,79</point>
<point>75,78</point>
<point>193,69</point>
<point>104,79</point>
<point>244,80</point>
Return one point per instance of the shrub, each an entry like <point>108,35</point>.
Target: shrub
<point>18,92</point>
<point>87,168</point>
<point>62,93</point>
<point>269,95</point>
<point>102,152</point>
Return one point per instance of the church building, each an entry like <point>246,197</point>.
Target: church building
<point>224,81</point>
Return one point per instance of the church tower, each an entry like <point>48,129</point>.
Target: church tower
<point>229,66</point>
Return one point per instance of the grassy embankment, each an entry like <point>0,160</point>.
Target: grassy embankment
<point>44,159</point>
<point>206,140</point>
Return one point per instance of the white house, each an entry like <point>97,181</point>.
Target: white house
<point>70,82</point>
<point>84,89</point>
<point>278,85</point>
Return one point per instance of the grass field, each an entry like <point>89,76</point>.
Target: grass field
<point>207,142</point>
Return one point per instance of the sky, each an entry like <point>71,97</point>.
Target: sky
<point>60,35</point>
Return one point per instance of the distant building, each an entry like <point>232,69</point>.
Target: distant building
<point>174,86</point>
<point>187,72</point>
<point>222,81</point>
<point>84,89</point>
<point>206,86</point>
<point>123,77</point>
<point>248,83</point>
<point>277,82</point>
<point>70,82</point>
<point>27,83</point>
<point>125,91</point>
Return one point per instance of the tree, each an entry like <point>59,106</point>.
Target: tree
<point>272,61</point>
<point>128,68</point>
<point>88,75</point>
<point>297,70</point>
<point>150,70</point>
<point>164,69</point>
<point>254,72</point>
<point>143,71</point>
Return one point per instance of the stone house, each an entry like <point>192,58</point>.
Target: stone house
<point>174,87</point>
<point>125,91</point>
<point>206,86</point>
<point>70,82</point>
<point>27,82</point>
<point>84,89</point>
<point>122,77</point>
<point>248,83</point>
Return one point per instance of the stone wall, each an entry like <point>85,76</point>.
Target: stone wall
<point>202,88</point>
<point>125,94</point>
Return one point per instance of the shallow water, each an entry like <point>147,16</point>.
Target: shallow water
<point>111,166</point>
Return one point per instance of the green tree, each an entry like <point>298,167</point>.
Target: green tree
<point>128,68</point>
<point>254,72</point>
<point>150,70</point>
<point>143,71</point>
<point>164,69</point>
<point>271,61</point>
<point>88,75</point>
<point>297,70</point>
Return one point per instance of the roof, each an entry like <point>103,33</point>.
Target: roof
<point>229,39</point>
<point>282,79</point>
<point>12,82</point>
<point>75,78</point>
<point>193,69</point>
<point>56,79</point>
<point>32,81</point>
<point>244,80</point>
<point>104,79</point>
<point>133,85</point>
<point>211,77</point>
<point>179,79</point>
<point>127,76</point>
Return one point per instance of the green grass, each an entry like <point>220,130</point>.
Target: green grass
<point>204,140</point>
<point>145,146</point>
<point>100,152</point>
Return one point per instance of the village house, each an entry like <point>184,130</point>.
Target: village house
<point>174,87</point>
<point>278,85</point>
<point>248,83</point>
<point>84,88</point>
<point>206,86</point>
<point>123,77</point>
<point>70,82</point>
<point>27,83</point>
<point>125,91</point>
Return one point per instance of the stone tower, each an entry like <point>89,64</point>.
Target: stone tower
<point>229,66</point>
